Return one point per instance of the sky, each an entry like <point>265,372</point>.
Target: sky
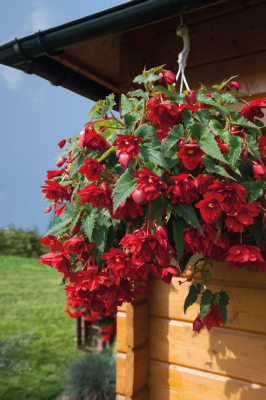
<point>34,115</point>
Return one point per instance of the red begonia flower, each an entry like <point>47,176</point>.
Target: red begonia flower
<point>48,209</point>
<point>119,261</point>
<point>129,208</point>
<point>53,174</point>
<point>92,169</point>
<point>191,97</point>
<point>59,211</point>
<point>62,143</point>
<point>204,182</point>
<point>211,207</point>
<point>128,144</point>
<point>168,273</point>
<point>96,195</point>
<point>184,190</point>
<point>91,140</point>
<point>162,132</point>
<point>222,146</point>
<point>150,183</point>
<point>212,318</point>
<point>56,261</point>
<point>243,255</point>
<point>242,218</point>
<point>123,160</point>
<point>262,145</point>
<point>76,246</point>
<point>55,191</point>
<point>193,107</point>
<point>197,324</point>
<point>60,161</point>
<point>198,243</point>
<point>167,77</point>
<point>253,109</point>
<point>259,170</point>
<point>151,103</point>
<point>54,244</point>
<point>233,85</point>
<point>191,155</point>
<point>233,194</point>
<point>166,114</point>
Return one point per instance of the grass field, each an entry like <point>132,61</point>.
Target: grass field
<point>31,297</point>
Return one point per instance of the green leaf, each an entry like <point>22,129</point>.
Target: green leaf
<point>147,133</point>
<point>197,263</point>
<point>234,146</point>
<point>153,156</point>
<point>163,90</point>
<point>157,206</point>
<point>219,87</point>
<point>225,98</point>
<point>238,119</point>
<point>126,105</point>
<point>150,78</point>
<point>139,93</point>
<point>71,258</point>
<point>222,303</point>
<point>256,230</point>
<point>205,302</point>
<point>207,277</point>
<point>216,297</point>
<point>211,166</point>
<point>192,296</point>
<point>218,130</point>
<point>187,212</point>
<point>100,232</point>
<point>174,135</point>
<point>111,123</point>
<point>88,221</point>
<point>202,89</point>
<point>205,116</point>
<point>172,161</point>
<point>131,119</point>
<point>96,116</point>
<point>112,161</point>
<point>206,141</point>
<point>97,107</point>
<point>179,224</point>
<point>60,227</point>
<point>79,161</point>
<point>219,224</point>
<point>155,69</point>
<point>252,147</point>
<point>154,168</point>
<point>123,188</point>
<point>254,188</point>
<point>75,216</point>
<point>208,100</point>
<point>109,104</point>
<point>186,116</point>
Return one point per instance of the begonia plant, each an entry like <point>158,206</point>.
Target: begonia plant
<point>177,175</point>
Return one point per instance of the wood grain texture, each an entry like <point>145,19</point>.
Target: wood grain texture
<point>137,325</point>
<point>120,373</point>
<point>121,345</point>
<point>229,353</point>
<point>137,369</point>
<point>186,383</point>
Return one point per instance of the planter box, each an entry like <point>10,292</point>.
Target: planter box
<point>159,357</point>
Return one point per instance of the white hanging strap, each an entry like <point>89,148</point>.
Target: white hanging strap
<point>182,31</point>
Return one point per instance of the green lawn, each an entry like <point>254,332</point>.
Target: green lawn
<point>31,298</point>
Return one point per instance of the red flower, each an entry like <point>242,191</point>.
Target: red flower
<point>253,109</point>
<point>129,208</point>
<point>96,195</point>
<point>211,207</point>
<point>243,255</point>
<point>53,243</point>
<point>166,114</point>
<point>262,145</point>
<point>92,279</point>
<point>184,189</point>
<point>92,140</point>
<point>119,261</point>
<point>55,191</point>
<point>233,194</point>
<point>62,143</point>
<point>60,161</point>
<point>213,318</point>
<point>128,144</point>
<point>150,183</point>
<point>259,170</point>
<point>123,159</point>
<point>222,146</point>
<point>191,155</point>
<point>191,97</point>
<point>242,218</point>
<point>197,324</point>
<point>53,174</point>
<point>162,132</point>
<point>168,272</point>
<point>198,243</point>
<point>48,209</point>
<point>167,77</point>
<point>233,85</point>
<point>204,105</point>
<point>59,211</point>
<point>76,246</point>
<point>92,169</point>
<point>152,102</point>
<point>56,261</point>
<point>204,182</point>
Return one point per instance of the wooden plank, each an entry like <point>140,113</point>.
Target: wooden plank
<point>243,313</point>
<point>121,345</point>
<point>120,373</point>
<point>234,354</point>
<point>122,308</point>
<point>190,384</point>
<point>137,326</point>
<point>137,369</point>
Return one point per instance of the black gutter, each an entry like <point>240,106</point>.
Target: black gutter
<point>113,20</point>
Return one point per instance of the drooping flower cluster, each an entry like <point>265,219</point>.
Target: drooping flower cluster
<point>178,175</point>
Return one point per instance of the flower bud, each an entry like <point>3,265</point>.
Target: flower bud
<point>233,85</point>
<point>137,196</point>
<point>234,130</point>
<point>123,160</point>
<point>180,144</point>
<point>169,77</point>
<point>47,210</point>
<point>191,97</point>
<point>197,324</point>
<point>245,154</point>
<point>69,140</point>
<point>60,161</point>
<point>161,231</point>
<point>76,229</point>
<point>161,80</point>
<point>259,171</point>
<point>61,144</point>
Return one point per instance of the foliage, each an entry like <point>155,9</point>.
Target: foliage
<point>184,163</point>
<point>17,242</point>
<point>91,378</point>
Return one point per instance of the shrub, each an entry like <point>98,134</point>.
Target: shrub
<point>17,242</point>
